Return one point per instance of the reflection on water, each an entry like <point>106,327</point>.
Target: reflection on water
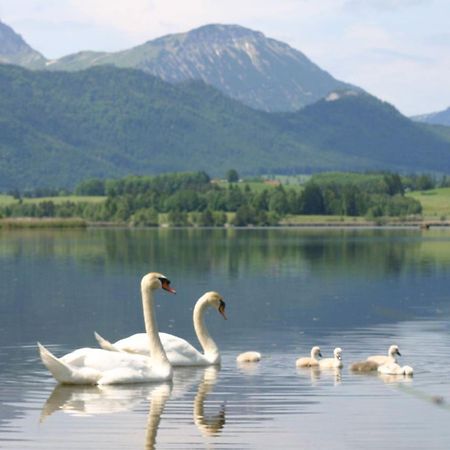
<point>208,425</point>
<point>286,290</point>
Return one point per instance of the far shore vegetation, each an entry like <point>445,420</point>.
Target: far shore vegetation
<point>194,199</point>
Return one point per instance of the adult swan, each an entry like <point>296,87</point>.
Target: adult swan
<point>97,366</point>
<point>179,352</point>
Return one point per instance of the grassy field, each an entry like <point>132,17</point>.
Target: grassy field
<point>45,222</point>
<point>435,203</point>
<point>8,199</point>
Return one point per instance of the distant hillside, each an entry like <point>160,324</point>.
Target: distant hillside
<point>437,118</point>
<point>244,64</point>
<point>361,126</point>
<point>14,50</point>
<point>58,128</point>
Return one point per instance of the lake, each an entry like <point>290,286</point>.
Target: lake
<point>285,291</point>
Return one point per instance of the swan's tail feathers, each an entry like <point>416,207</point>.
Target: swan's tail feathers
<point>60,371</point>
<point>104,343</point>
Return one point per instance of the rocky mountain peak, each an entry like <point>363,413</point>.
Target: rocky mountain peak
<point>14,49</point>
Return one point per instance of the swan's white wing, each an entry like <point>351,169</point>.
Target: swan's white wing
<point>137,343</point>
<point>180,352</point>
<point>96,366</point>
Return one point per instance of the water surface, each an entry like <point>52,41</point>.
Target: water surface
<point>286,290</point>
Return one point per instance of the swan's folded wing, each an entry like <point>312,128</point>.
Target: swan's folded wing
<point>137,343</point>
<point>180,352</point>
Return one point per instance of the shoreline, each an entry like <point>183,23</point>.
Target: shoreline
<point>29,222</point>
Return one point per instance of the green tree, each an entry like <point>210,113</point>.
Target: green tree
<point>178,218</point>
<point>232,176</point>
<point>312,199</point>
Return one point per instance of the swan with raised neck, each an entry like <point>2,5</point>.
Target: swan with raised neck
<point>311,361</point>
<point>98,366</point>
<point>179,352</point>
<point>391,357</point>
<point>335,362</point>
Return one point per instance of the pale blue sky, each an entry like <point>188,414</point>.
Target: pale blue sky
<point>398,50</point>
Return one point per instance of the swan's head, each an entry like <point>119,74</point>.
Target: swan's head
<point>154,280</point>
<point>315,352</point>
<point>215,300</point>
<point>338,353</point>
<point>394,351</point>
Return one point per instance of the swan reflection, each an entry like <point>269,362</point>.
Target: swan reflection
<point>392,378</point>
<point>209,425</point>
<point>88,401</point>
<point>316,374</point>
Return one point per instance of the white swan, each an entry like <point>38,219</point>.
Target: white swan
<point>250,356</point>
<point>392,368</point>
<point>178,351</point>
<point>96,366</point>
<point>335,362</point>
<point>311,361</point>
<point>393,352</point>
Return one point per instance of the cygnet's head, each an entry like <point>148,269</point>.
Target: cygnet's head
<point>315,352</point>
<point>215,300</point>
<point>154,280</point>
<point>338,353</point>
<point>394,351</point>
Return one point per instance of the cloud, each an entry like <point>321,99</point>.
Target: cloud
<point>387,5</point>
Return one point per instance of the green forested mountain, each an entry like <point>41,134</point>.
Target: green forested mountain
<point>57,128</point>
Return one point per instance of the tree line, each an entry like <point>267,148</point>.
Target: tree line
<point>183,199</point>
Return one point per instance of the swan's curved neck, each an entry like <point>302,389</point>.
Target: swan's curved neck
<point>156,349</point>
<point>206,341</point>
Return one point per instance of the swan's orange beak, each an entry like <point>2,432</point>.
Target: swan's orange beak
<point>165,284</point>
<point>221,309</point>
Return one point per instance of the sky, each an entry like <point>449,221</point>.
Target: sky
<point>397,50</point>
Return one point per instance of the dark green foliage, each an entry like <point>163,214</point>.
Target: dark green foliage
<point>312,199</point>
<point>91,187</point>
<point>232,176</point>
<point>58,128</point>
<point>192,197</point>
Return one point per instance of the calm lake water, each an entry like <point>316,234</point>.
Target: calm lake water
<point>286,290</point>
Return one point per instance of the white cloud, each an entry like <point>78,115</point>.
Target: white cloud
<point>389,5</point>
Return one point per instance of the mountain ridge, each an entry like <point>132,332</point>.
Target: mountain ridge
<point>435,118</point>
<point>244,64</point>
<point>14,49</point>
<point>58,128</point>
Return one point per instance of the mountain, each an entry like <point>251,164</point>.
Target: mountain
<point>58,128</point>
<point>245,65</point>
<point>436,118</point>
<point>14,50</point>
<point>361,128</point>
